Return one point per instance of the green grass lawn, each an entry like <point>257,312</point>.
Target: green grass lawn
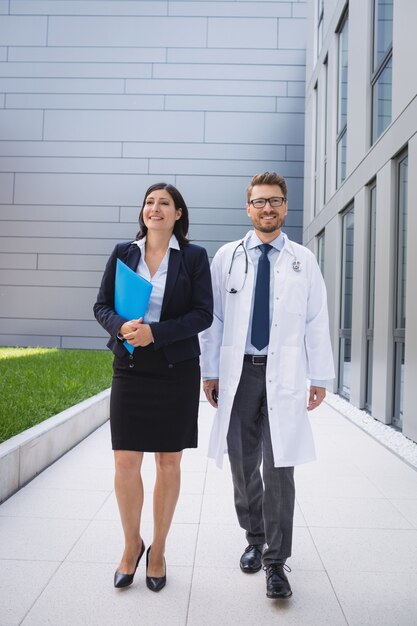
<point>36,383</point>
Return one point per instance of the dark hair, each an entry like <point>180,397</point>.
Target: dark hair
<point>181,225</point>
<point>268,178</point>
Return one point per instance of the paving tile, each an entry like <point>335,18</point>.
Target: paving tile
<point>84,594</point>
<point>65,474</point>
<point>330,486</point>
<point>402,483</point>
<point>39,539</point>
<point>408,508</point>
<point>191,482</point>
<point>352,513</point>
<point>218,509</point>
<point>230,541</point>
<point>377,598</point>
<point>240,599</point>
<point>95,451</point>
<point>109,510</point>
<point>57,503</point>
<point>21,582</point>
<point>218,481</point>
<point>325,465</point>
<point>367,550</point>
<point>102,542</point>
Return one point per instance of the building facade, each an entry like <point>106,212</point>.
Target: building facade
<point>361,146</point>
<point>100,99</point>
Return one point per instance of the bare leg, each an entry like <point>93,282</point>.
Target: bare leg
<point>165,497</point>
<point>129,493</point>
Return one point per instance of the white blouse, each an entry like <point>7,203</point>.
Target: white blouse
<point>158,280</point>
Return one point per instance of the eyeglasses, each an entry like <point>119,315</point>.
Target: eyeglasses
<point>275,202</point>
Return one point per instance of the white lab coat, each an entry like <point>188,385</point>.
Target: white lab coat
<point>299,346</point>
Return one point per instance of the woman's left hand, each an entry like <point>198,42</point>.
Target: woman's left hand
<point>140,335</point>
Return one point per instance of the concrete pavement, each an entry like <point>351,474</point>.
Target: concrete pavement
<point>354,553</point>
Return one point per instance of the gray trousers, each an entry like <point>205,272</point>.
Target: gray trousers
<point>264,503</point>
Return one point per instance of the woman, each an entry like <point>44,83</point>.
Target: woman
<point>155,391</point>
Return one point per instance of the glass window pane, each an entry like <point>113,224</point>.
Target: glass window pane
<point>371,272</point>
<point>369,367</point>
<point>399,383</point>
<point>382,101</point>
<point>345,365</point>
<point>325,79</point>
<point>341,159</point>
<point>402,242</point>
<point>347,280</point>
<point>345,329</point>
<point>320,252</point>
<point>343,77</point>
<point>320,19</point>
<point>382,29</point>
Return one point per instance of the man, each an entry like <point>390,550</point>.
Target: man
<point>269,333</point>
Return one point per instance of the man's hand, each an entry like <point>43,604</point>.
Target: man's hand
<point>317,395</point>
<point>211,389</point>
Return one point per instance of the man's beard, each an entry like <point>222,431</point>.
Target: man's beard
<point>270,229</point>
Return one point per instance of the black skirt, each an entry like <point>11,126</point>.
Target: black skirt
<point>153,403</point>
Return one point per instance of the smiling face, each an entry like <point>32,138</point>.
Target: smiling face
<point>267,221</point>
<point>159,212</point>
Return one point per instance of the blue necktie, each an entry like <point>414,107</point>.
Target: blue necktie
<point>260,319</point>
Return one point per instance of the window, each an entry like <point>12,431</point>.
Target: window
<point>381,79</point>
<point>325,80</point>
<point>316,144</point>
<point>320,21</point>
<point>320,251</point>
<point>370,295</point>
<point>345,329</point>
<point>342,103</point>
<point>401,290</point>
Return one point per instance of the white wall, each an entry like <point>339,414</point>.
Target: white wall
<point>99,99</point>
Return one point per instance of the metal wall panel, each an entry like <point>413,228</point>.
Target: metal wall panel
<point>98,100</point>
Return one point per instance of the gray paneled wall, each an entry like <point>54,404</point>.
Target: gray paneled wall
<point>99,99</point>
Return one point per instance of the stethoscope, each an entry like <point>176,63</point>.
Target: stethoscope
<point>296,265</point>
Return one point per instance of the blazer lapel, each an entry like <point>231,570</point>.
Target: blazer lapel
<point>133,257</point>
<point>173,269</point>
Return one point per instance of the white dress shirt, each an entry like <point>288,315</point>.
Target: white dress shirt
<point>254,253</point>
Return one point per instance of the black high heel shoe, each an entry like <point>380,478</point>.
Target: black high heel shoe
<point>124,580</point>
<point>155,583</point>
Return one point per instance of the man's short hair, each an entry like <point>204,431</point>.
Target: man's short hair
<point>267,178</point>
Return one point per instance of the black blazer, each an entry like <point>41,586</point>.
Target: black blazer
<point>187,306</point>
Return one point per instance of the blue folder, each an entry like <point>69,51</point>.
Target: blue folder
<point>131,294</point>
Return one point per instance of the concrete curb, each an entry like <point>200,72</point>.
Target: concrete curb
<point>24,456</point>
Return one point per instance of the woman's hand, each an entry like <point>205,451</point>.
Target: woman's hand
<point>136,333</point>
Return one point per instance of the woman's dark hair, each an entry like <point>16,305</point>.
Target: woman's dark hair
<point>181,225</point>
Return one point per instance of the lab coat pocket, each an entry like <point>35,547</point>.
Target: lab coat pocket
<point>295,300</point>
<point>289,370</point>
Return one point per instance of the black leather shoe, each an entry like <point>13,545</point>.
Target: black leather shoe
<point>277,585</point>
<point>155,583</point>
<point>251,559</point>
<point>124,580</point>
